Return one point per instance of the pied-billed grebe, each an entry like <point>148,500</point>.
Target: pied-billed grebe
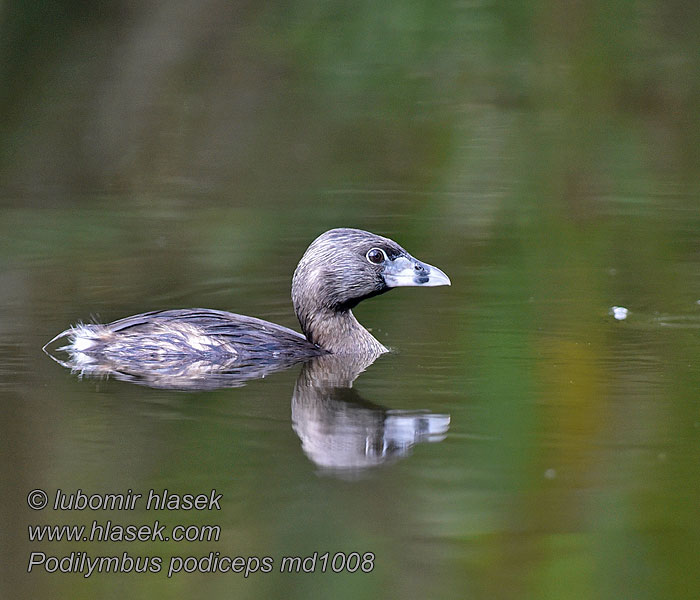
<point>338,270</point>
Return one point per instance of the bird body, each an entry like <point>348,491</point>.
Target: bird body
<point>340,268</point>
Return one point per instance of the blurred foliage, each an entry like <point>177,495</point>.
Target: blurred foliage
<point>168,96</point>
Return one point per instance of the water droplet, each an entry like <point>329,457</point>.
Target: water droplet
<point>619,312</point>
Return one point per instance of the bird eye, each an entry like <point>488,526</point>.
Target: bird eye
<point>376,256</point>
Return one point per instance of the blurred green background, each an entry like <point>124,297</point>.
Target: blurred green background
<point>546,155</point>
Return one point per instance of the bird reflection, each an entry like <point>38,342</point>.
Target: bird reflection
<point>343,433</point>
<point>340,432</point>
<point>175,372</point>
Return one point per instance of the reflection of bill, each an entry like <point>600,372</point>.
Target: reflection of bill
<point>341,432</point>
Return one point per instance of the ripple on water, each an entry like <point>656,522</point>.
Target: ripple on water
<point>678,321</point>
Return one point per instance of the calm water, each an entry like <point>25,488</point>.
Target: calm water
<point>518,442</point>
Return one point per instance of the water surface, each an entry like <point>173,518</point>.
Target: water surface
<point>179,157</point>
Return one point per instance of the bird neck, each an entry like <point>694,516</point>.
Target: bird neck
<point>338,332</point>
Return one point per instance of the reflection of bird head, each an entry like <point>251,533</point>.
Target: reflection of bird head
<point>344,434</point>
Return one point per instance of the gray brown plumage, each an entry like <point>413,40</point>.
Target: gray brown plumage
<point>340,268</point>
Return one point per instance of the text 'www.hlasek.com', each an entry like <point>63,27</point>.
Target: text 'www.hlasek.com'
<point>87,563</point>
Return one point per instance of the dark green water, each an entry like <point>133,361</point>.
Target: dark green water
<point>544,155</point>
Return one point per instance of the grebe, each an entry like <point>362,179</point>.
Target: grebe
<point>339,269</point>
